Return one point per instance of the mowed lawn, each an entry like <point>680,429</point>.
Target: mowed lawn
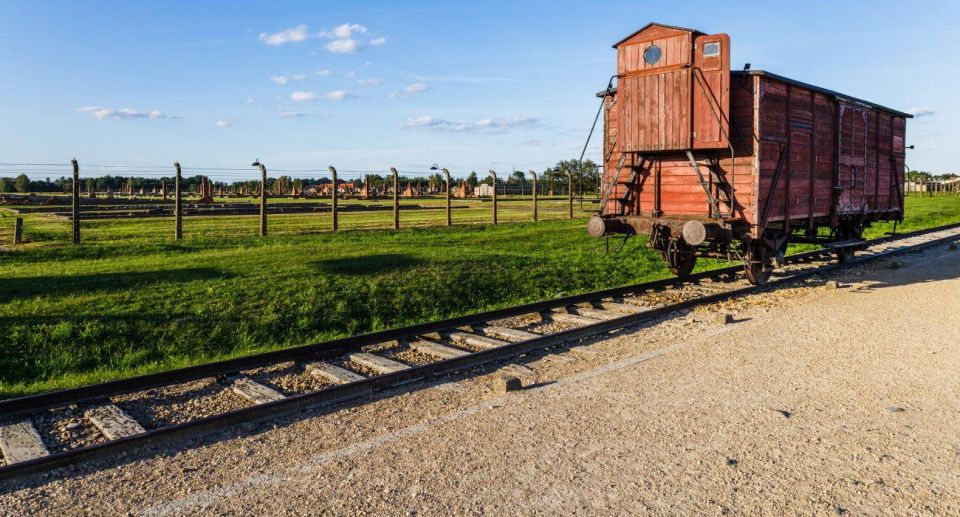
<point>120,307</point>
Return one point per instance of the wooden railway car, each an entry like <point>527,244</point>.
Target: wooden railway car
<point>715,162</point>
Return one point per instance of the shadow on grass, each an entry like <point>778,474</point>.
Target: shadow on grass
<point>369,264</point>
<point>25,287</point>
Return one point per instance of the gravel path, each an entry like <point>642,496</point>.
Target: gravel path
<point>818,400</point>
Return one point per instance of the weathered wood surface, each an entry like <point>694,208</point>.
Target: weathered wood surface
<point>574,319</point>
<point>20,441</point>
<point>482,342</point>
<point>437,350</point>
<point>113,422</point>
<point>254,391</point>
<point>625,308</point>
<point>377,363</point>
<point>509,334</point>
<point>332,373</point>
<point>598,314</point>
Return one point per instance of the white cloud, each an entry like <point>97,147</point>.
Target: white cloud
<point>346,38</point>
<point>920,112</point>
<point>322,72</point>
<point>343,46</point>
<point>411,90</point>
<point>488,125</point>
<point>123,113</point>
<point>295,35</point>
<point>291,114</point>
<point>224,123</point>
<point>347,30</point>
<point>249,100</point>
<point>284,79</point>
<point>300,96</point>
<point>369,81</point>
<point>339,95</point>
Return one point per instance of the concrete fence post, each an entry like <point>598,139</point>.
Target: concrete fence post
<point>75,204</point>
<point>18,230</point>
<point>446,174</point>
<point>333,199</point>
<point>396,198</point>
<point>263,199</point>
<point>570,193</point>
<point>177,203</point>
<point>533,173</point>
<point>493,175</point>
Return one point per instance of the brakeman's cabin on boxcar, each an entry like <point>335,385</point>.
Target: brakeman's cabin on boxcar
<point>713,162</point>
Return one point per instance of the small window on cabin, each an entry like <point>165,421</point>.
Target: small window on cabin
<point>651,55</point>
<point>711,49</point>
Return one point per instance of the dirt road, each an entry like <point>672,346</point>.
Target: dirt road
<point>815,401</point>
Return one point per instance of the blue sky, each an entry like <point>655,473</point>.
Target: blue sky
<point>367,85</point>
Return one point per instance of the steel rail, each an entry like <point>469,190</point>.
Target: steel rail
<point>344,392</point>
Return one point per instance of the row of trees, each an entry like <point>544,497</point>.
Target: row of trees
<point>550,178</point>
<point>926,176</point>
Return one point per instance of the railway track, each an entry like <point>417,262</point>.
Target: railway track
<point>135,413</point>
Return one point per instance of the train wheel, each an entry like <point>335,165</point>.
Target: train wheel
<point>680,257</point>
<point>848,232</point>
<point>845,255</point>
<point>757,274</point>
<point>756,265</point>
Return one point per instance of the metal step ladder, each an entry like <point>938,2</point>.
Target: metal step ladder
<point>720,194</point>
<point>628,192</point>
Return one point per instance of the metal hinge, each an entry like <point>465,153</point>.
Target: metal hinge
<point>694,135</point>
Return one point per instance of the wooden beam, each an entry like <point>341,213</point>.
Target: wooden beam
<point>20,441</point>
<point>482,342</point>
<point>510,334</point>
<point>575,319</point>
<point>254,391</point>
<point>598,314</point>
<point>377,363</point>
<point>334,374</point>
<point>437,350</point>
<point>113,422</point>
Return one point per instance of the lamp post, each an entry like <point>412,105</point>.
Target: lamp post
<point>493,175</point>
<point>263,196</point>
<point>534,174</point>
<point>446,174</point>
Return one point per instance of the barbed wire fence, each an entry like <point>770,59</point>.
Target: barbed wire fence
<point>221,201</point>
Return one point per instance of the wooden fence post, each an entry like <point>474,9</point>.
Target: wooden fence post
<point>333,206</point>
<point>570,193</point>
<point>534,174</point>
<point>177,203</point>
<point>18,230</point>
<point>396,199</point>
<point>446,173</point>
<point>75,207</point>
<point>263,199</point>
<point>493,175</point>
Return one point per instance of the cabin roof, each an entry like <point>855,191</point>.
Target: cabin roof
<point>838,95</point>
<point>651,24</point>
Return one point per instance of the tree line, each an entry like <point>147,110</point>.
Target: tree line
<point>550,178</point>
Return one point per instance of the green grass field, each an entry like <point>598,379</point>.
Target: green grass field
<point>132,301</point>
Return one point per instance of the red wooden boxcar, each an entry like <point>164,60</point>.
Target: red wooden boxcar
<point>719,163</point>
